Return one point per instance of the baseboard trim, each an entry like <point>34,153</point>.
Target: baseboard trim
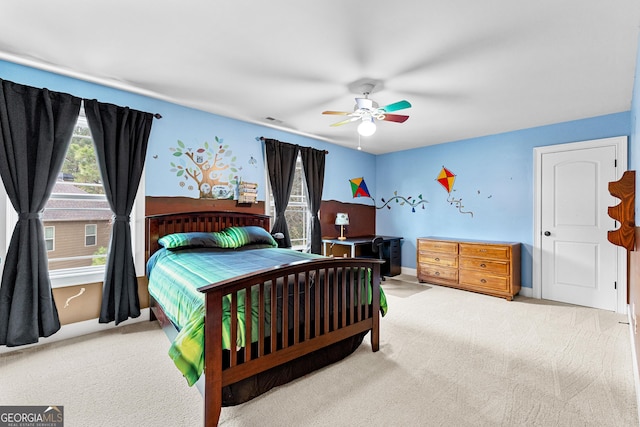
<point>78,329</point>
<point>526,292</point>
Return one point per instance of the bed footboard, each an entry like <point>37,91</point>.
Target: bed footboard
<point>331,299</point>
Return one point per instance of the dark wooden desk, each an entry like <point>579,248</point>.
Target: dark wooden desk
<point>360,246</point>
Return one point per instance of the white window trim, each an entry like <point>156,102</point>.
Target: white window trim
<point>53,239</point>
<point>95,235</point>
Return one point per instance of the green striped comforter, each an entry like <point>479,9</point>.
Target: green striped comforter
<point>174,279</point>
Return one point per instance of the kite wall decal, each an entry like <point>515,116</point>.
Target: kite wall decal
<point>446,178</point>
<point>359,189</point>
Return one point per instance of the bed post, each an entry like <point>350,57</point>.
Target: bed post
<point>212,359</point>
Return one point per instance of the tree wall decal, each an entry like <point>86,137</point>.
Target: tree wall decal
<point>212,168</point>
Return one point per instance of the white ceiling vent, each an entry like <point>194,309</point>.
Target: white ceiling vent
<point>274,121</point>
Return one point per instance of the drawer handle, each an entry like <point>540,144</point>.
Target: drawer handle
<point>483,281</point>
<point>483,265</point>
<point>437,259</point>
<point>437,273</point>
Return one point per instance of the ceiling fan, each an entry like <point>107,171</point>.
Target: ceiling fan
<point>367,111</point>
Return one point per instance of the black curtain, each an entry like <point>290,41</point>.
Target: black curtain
<point>281,163</point>
<point>313,164</point>
<point>35,131</point>
<point>120,135</point>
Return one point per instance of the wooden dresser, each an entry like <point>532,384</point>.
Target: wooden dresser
<point>487,267</point>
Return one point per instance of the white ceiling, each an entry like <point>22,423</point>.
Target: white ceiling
<point>468,67</point>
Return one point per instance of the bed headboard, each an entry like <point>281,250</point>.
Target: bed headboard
<point>161,225</point>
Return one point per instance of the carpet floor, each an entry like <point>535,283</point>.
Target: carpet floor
<point>447,358</point>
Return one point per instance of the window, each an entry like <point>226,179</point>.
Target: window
<point>297,213</point>
<point>79,209</point>
<point>90,234</point>
<point>78,200</point>
<point>50,238</point>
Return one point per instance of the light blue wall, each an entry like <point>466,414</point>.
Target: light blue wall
<point>494,181</point>
<point>194,128</point>
<point>494,173</point>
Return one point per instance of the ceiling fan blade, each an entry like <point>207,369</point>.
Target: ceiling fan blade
<point>400,105</point>
<point>339,113</point>
<point>398,118</point>
<point>344,122</point>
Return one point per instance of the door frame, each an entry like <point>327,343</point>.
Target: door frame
<point>620,142</point>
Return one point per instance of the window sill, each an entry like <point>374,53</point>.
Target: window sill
<point>72,277</point>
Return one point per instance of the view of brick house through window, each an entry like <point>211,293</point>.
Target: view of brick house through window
<point>77,217</point>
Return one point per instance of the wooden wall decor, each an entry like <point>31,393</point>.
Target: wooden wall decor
<point>624,212</point>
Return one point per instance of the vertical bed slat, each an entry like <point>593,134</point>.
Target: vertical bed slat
<point>233,329</point>
<point>375,327</point>
<point>261,315</point>
<point>274,316</point>
<point>307,306</point>
<point>316,306</point>
<point>367,291</point>
<point>248,323</point>
<point>334,303</point>
<point>352,299</point>
<point>356,273</point>
<point>285,312</point>
<point>296,309</point>
<point>326,300</point>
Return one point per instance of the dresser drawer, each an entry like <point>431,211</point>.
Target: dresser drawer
<point>444,260</point>
<point>485,251</point>
<point>437,246</point>
<point>427,272</point>
<point>489,266</point>
<point>478,279</point>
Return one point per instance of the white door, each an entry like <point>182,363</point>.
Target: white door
<point>578,264</point>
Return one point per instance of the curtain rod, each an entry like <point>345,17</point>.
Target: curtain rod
<point>262,138</point>
<point>156,115</point>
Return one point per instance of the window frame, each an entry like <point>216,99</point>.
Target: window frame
<point>94,235</point>
<point>52,239</point>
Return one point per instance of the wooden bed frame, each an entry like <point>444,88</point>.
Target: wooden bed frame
<point>322,330</point>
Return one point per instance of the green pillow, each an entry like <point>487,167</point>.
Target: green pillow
<point>249,235</point>
<point>189,240</point>
<point>229,238</point>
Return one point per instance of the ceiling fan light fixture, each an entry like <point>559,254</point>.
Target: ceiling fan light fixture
<point>367,127</point>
